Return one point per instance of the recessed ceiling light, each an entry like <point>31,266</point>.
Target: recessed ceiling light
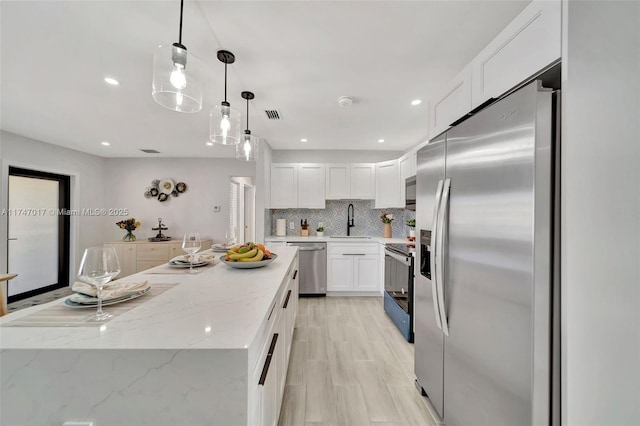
<point>111,81</point>
<point>380,140</point>
<point>416,102</point>
<point>105,143</point>
<point>209,143</point>
<point>303,140</point>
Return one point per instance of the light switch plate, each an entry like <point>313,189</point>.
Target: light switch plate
<point>291,225</point>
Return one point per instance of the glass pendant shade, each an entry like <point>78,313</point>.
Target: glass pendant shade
<point>247,150</point>
<point>177,79</point>
<point>224,125</point>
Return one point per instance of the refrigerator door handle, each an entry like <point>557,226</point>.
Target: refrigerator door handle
<point>434,245</point>
<point>443,219</point>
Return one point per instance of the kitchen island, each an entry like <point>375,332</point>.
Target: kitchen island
<point>212,350</point>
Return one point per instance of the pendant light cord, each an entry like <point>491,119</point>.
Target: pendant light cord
<point>180,34</point>
<point>225,81</point>
<point>247,114</point>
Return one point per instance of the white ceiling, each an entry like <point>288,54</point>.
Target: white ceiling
<point>296,56</point>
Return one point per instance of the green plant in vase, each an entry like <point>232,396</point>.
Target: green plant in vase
<point>411,223</point>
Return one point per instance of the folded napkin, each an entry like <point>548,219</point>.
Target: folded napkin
<point>112,290</point>
<point>205,256</point>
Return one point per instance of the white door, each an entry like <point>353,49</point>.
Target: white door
<point>34,234</point>
<point>249,213</point>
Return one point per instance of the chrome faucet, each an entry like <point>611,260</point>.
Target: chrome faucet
<point>350,223</point>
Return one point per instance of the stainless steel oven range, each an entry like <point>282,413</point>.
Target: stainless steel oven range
<point>398,286</point>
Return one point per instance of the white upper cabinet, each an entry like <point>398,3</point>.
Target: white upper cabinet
<point>350,181</point>
<point>530,43</point>
<point>297,186</point>
<point>338,181</point>
<point>388,185</point>
<point>311,186</point>
<point>284,186</point>
<point>363,181</point>
<point>407,169</point>
<point>451,103</point>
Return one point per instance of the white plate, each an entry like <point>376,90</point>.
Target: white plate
<point>187,265</point>
<point>221,248</point>
<point>249,265</point>
<point>166,186</point>
<point>92,302</point>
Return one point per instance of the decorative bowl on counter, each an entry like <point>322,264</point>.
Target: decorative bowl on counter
<point>249,265</point>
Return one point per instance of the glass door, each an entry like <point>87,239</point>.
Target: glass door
<point>38,232</point>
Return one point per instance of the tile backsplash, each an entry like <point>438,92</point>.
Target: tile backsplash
<point>334,218</point>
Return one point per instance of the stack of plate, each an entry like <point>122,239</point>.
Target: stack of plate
<point>79,300</point>
<point>185,264</point>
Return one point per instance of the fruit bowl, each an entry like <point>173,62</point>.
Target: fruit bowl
<point>249,265</point>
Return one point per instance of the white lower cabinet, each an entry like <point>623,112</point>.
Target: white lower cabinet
<point>354,268</point>
<point>270,373</point>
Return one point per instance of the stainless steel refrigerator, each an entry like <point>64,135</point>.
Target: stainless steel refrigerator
<point>484,321</point>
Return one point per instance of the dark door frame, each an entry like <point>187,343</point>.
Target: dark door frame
<point>64,228</point>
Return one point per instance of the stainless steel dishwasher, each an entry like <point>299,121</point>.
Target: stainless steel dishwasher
<point>313,268</point>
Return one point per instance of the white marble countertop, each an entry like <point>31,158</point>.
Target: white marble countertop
<point>219,308</point>
<point>328,239</point>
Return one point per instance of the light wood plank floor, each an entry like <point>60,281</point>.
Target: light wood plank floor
<point>350,366</point>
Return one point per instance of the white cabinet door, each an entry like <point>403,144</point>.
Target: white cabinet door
<point>363,181</point>
<point>388,185</point>
<point>340,273</point>
<point>269,391</point>
<point>453,102</point>
<point>284,186</point>
<point>367,273</point>
<point>311,186</point>
<point>338,182</point>
<point>407,169</point>
<point>530,43</point>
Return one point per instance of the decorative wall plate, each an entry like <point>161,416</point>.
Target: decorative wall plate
<point>166,186</point>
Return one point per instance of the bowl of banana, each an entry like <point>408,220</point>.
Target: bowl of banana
<point>248,256</point>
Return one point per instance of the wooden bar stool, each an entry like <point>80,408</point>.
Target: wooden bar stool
<point>3,299</point>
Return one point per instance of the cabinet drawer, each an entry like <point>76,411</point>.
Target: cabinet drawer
<point>153,252</point>
<point>353,249</point>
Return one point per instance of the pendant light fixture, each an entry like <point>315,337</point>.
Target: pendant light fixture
<point>177,82</point>
<point>224,122</point>
<point>247,150</point>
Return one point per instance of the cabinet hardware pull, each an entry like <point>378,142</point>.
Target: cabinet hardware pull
<point>353,254</point>
<point>269,317</point>
<point>267,361</point>
<point>295,274</point>
<point>286,301</point>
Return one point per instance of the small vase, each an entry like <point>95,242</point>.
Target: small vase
<point>319,233</point>
<point>387,230</point>
<point>129,237</point>
<point>412,235</point>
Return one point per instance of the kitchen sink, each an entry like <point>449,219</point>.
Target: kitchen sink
<point>351,237</point>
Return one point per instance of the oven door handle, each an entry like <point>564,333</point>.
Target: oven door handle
<point>402,259</point>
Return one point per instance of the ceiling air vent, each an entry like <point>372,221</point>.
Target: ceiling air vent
<point>273,114</point>
<point>150,151</point>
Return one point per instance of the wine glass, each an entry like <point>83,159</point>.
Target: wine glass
<point>191,244</point>
<point>230,237</point>
<point>98,266</point>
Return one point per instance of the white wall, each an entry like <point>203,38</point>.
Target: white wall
<point>87,190</point>
<point>207,180</point>
<point>333,156</point>
<point>600,254</point>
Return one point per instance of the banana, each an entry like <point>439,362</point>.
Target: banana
<point>256,258</point>
<point>238,256</point>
